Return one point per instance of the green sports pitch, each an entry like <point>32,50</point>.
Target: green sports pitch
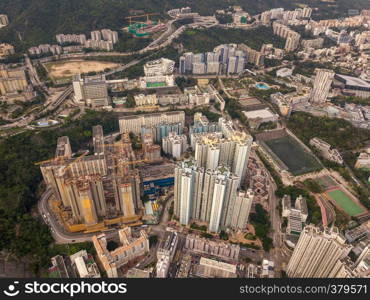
<point>345,202</point>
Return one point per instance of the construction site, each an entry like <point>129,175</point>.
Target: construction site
<point>146,28</point>
<point>96,192</point>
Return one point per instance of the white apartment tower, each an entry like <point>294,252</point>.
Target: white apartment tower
<point>206,196</point>
<point>212,151</point>
<point>321,86</point>
<point>317,253</point>
<point>240,213</point>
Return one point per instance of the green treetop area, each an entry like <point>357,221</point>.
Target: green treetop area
<point>203,40</point>
<point>34,22</point>
<point>21,233</point>
<point>339,133</point>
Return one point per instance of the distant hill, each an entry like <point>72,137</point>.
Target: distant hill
<point>37,21</point>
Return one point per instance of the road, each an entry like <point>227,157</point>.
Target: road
<point>60,235</point>
<point>35,80</point>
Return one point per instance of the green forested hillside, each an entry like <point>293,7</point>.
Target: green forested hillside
<point>37,21</point>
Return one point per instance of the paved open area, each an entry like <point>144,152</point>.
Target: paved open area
<point>293,155</point>
<point>66,69</point>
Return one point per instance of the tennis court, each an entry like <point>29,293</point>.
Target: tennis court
<point>326,182</point>
<point>345,202</point>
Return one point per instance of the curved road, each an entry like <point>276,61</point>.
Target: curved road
<point>59,234</point>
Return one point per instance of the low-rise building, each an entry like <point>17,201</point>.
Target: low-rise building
<point>128,249</point>
<point>296,215</point>
<point>6,50</point>
<point>257,117</point>
<point>143,100</point>
<point>84,265</point>
<point>327,150</point>
<point>284,72</point>
<point>363,161</point>
<point>205,246</point>
<point>268,269</point>
<point>210,268</point>
<point>358,233</point>
<point>197,96</point>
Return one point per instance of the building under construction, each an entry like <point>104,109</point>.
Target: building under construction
<point>94,191</point>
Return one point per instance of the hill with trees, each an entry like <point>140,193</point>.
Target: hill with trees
<point>33,22</point>
<point>22,233</point>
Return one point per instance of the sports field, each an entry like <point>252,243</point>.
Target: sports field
<point>155,84</point>
<point>291,153</point>
<point>326,182</point>
<point>345,202</point>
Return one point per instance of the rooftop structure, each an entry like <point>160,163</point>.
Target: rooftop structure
<point>137,273</point>
<point>85,265</point>
<point>257,117</point>
<point>327,150</point>
<point>352,85</point>
<point>6,50</point>
<point>226,251</point>
<point>92,90</point>
<point>135,123</point>
<point>159,67</point>
<point>210,268</point>
<point>363,161</point>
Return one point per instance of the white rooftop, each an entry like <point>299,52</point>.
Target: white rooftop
<point>260,113</point>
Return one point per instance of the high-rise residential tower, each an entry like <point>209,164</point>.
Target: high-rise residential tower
<point>321,86</point>
<point>317,253</point>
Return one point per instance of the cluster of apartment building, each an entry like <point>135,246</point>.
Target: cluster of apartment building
<point>45,49</point>
<point>268,16</point>
<point>135,123</point>
<point>207,188</point>
<point>318,27</point>
<point>209,196</point>
<point>269,51</point>
<point>95,187</point>
<point>14,84</point>
<point>175,145</point>
<point>100,40</point>
<point>324,253</point>
<point>292,38</point>
<point>225,59</point>
<point>258,181</point>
